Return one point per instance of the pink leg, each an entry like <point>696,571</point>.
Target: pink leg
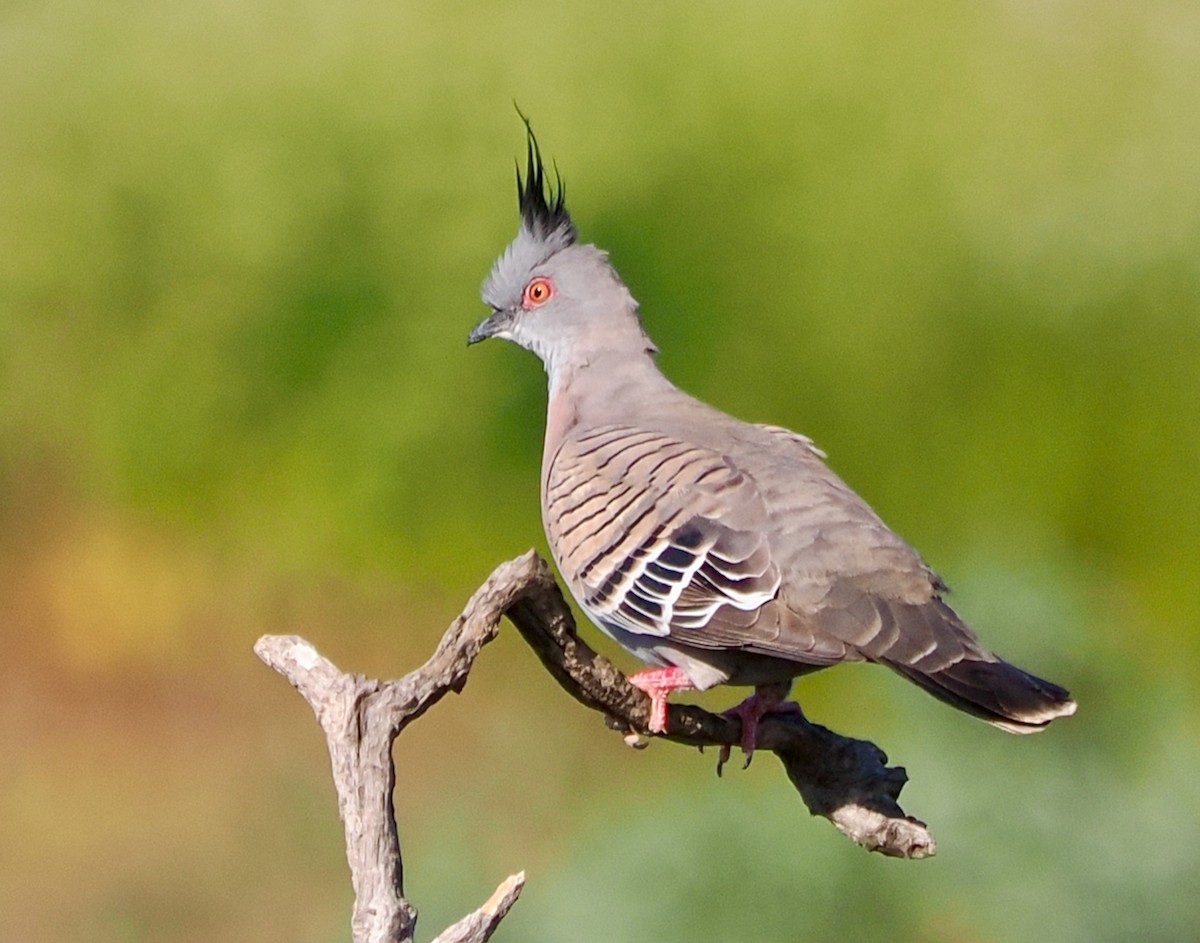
<point>766,699</point>
<point>657,684</point>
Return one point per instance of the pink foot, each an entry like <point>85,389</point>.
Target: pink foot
<point>766,699</point>
<point>657,684</point>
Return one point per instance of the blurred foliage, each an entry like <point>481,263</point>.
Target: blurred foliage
<point>240,248</point>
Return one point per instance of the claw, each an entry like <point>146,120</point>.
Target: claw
<point>766,699</point>
<point>723,757</point>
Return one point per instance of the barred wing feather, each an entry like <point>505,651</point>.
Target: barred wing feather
<point>656,536</point>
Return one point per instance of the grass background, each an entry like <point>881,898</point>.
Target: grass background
<point>240,246</point>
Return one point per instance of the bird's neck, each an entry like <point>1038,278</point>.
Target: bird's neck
<point>610,387</point>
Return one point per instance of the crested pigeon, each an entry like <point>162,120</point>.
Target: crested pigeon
<point>715,550</point>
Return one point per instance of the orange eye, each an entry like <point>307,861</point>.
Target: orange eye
<point>537,292</point>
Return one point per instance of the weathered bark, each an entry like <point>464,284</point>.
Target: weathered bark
<point>361,718</point>
<point>845,780</point>
<point>842,779</point>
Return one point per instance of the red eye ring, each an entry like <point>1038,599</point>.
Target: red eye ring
<point>537,292</point>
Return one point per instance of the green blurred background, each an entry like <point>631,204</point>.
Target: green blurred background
<point>240,250</point>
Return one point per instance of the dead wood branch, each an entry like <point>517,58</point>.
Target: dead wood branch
<point>845,780</point>
<point>842,779</point>
<point>361,718</point>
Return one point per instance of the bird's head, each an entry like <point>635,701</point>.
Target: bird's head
<point>551,295</point>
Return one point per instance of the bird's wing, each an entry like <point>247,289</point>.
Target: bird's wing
<point>660,537</point>
<point>845,572</point>
<point>759,551</point>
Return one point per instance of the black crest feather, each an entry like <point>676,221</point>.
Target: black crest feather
<point>542,202</point>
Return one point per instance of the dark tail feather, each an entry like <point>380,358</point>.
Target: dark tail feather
<point>1000,693</point>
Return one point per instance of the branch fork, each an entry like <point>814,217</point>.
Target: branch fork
<point>842,779</point>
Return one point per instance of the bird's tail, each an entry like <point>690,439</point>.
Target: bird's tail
<point>992,689</point>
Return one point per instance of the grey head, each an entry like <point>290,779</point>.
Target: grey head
<point>552,295</point>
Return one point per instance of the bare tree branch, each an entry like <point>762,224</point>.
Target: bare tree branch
<point>479,925</point>
<point>361,718</point>
<point>842,779</point>
<point>845,780</point>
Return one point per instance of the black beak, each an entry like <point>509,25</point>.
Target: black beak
<point>494,323</point>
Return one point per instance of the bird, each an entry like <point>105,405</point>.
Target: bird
<point>716,551</point>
